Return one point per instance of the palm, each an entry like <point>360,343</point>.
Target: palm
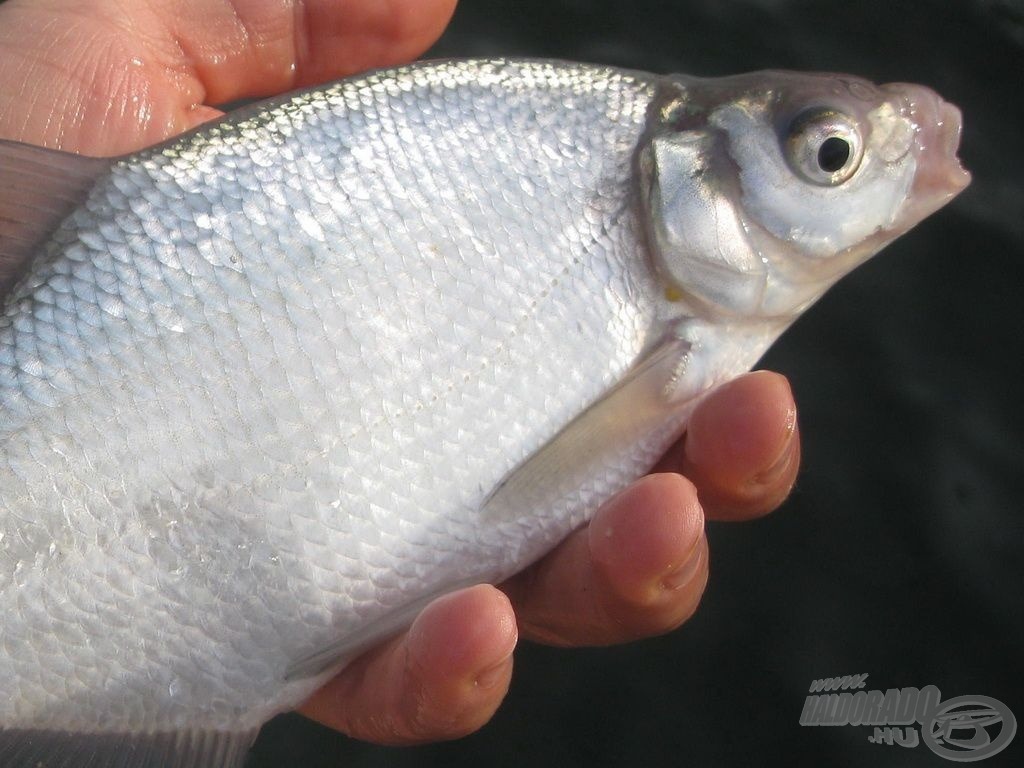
<point>113,76</point>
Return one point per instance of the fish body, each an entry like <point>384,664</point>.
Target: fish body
<point>268,388</point>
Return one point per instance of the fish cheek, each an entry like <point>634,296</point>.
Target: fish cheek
<point>695,229</point>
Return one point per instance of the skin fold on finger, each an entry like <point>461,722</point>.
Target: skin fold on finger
<point>741,448</point>
<point>246,48</point>
<point>442,679</point>
<point>639,569</point>
<point>105,77</point>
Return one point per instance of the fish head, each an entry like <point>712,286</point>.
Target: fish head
<point>762,190</point>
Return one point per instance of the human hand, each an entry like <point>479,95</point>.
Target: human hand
<point>101,78</point>
<point>637,570</point>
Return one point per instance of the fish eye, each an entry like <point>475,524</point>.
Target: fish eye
<point>824,146</point>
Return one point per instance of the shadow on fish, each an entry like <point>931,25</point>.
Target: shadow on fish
<point>269,387</point>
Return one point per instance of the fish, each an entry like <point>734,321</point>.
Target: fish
<point>271,386</point>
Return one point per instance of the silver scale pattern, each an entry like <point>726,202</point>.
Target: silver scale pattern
<point>255,391</point>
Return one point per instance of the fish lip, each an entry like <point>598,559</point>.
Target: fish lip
<point>938,127</point>
<point>945,135</point>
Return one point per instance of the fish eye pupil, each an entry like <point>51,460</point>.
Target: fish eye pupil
<point>833,154</point>
<point>823,146</point>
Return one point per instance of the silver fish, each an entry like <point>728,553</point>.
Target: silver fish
<point>268,388</point>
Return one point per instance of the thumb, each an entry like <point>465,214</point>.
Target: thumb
<point>105,77</point>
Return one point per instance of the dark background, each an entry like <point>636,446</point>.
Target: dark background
<point>899,553</point>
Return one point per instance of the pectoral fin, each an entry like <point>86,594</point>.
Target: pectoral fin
<point>648,395</point>
<point>646,398</point>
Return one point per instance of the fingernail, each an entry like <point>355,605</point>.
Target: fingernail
<point>491,676</point>
<point>779,467</point>
<point>685,574</point>
<point>495,673</point>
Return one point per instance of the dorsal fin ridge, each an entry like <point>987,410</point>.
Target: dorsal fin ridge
<point>38,188</point>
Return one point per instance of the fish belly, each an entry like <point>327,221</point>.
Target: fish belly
<point>255,392</point>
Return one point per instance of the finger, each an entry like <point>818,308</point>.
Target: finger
<point>741,448</point>
<point>442,679</point>
<point>104,77</point>
<point>637,570</point>
<point>243,48</point>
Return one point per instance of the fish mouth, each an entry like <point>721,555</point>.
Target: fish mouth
<point>937,127</point>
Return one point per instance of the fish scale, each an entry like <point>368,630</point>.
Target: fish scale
<point>270,387</point>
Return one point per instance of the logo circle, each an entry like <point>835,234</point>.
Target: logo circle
<point>970,716</point>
